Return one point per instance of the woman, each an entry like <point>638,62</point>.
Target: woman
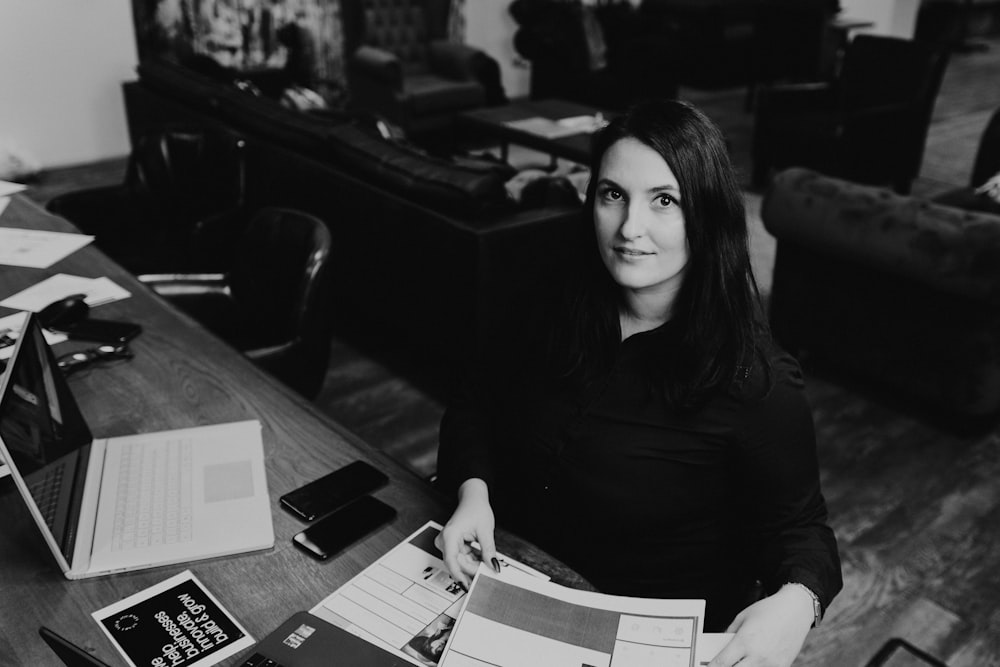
<point>659,443</point>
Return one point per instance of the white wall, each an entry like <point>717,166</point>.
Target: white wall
<point>489,26</point>
<point>896,18</point>
<point>61,67</point>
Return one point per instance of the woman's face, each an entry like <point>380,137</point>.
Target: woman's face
<point>638,219</point>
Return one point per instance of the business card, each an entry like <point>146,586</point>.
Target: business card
<point>176,623</point>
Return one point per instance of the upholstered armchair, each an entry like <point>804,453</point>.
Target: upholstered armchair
<point>868,125</point>
<point>401,65</point>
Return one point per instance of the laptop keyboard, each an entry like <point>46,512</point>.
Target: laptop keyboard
<point>154,495</point>
<point>45,491</point>
<point>257,660</point>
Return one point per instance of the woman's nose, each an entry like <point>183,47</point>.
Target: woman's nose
<point>632,225</point>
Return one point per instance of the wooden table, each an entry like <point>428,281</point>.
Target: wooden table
<point>492,122</point>
<point>183,376</point>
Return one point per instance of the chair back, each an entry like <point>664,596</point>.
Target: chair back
<point>189,171</point>
<point>279,283</point>
<point>885,72</point>
<point>403,27</point>
<point>880,70</point>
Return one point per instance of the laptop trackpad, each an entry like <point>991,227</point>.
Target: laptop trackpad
<point>228,481</point>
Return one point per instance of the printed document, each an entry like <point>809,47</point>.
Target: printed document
<point>406,602</point>
<point>526,622</point>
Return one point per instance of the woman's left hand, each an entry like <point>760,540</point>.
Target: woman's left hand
<point>769,633</point>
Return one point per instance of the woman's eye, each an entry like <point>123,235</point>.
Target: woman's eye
<point>611,194</point>
<point>665,201</point>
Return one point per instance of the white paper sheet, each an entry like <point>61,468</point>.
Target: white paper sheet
<point>37,249</point>
<point>97,291</point>
<point>512,622</point>
<point>542,127</point>
<point>10,331</point>
<point>3,204</point>
<point>406,602</point>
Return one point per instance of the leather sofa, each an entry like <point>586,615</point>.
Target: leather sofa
<point>894,290</point>
<point>431,259</point>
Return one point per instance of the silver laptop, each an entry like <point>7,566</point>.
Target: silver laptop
<point>132,502</point>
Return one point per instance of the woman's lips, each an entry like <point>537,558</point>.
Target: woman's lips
<point>631,252</point>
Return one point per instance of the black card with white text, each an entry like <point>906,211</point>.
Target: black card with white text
<point>176,623</point>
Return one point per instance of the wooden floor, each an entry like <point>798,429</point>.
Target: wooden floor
<point>916,508</point>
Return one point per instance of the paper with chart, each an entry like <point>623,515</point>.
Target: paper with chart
<point>531,623</point>
<point>406,602</point>
<point>37,249</point>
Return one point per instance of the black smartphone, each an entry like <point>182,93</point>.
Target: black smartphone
<point>333,490</point>
<point>109,332</point>
<point>335,532</point>
<point>70,654</point>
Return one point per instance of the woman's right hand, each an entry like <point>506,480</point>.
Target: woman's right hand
<point>472,521</point>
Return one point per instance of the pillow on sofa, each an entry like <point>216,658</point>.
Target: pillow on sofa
<point>948,249</point>
<point>461,188</point>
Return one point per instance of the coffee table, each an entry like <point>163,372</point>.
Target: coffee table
<point>494,122</point>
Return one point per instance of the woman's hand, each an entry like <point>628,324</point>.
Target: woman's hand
<point>991,188</point>
<point>769,633</point>
<point>472,520</point>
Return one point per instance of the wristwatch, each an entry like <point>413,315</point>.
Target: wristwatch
<point>817,607</point>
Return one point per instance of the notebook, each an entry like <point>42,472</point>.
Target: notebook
<point>305,640</point>
<point>132,502</point>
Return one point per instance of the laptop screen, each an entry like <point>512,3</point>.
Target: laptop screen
<point>46,439</point>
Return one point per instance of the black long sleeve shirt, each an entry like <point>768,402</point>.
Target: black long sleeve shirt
<point>647,501</point>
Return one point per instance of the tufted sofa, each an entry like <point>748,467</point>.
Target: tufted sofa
<point>895,290</point>
<point>430,256</point>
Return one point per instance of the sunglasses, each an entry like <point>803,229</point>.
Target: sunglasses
<point>75,361</point>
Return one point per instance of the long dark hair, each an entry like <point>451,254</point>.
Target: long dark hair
<point>718,306</point>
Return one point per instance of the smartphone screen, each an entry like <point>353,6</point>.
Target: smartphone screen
<point>334,490</point>
<point>110,332</point>
<point>335,532</point>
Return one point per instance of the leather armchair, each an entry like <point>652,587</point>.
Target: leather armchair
<point>179,207</point>
<point>272,304</point>
<point>868,125</point>
<point>401,65</point>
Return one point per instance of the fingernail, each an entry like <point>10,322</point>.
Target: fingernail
<point>496,564</point>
